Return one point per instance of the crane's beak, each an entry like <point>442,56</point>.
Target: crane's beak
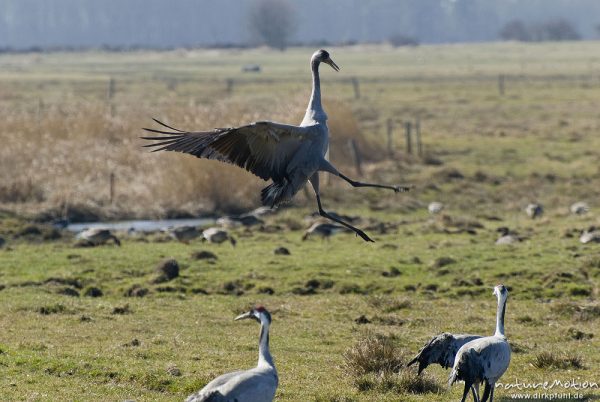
<point>244,316</point>
<point>332,64</point>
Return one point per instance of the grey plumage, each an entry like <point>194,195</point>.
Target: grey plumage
<point>441,349</point>
<point>255,385</point>
<point>184,234</point>
<point>590,235</point>
<point>484,359</point>
<point>325,230</point>
<point>534,210</point>
<point>287,155</point>
<point>97,236</point>
<point>217,236</point>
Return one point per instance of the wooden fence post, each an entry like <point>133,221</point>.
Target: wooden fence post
<point>390,137</point>
<point>418,136</point>
<point>501,84</point>
<point>407,127</point>
<point>356,87</point>
<point>356,157</point>
<point>110,89</point>
<point>229,86</point>
<point>112,187</point>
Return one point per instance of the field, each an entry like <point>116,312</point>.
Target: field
<point>486,155</point>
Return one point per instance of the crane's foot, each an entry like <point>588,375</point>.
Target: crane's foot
<point>402,189</point>
<point>364,236</point>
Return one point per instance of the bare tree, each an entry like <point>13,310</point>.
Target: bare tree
<point>273,21</point>
<point>515,30</point>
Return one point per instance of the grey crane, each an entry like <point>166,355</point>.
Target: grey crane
<point>590,235</point>
<point>98,236</point>
<point>442,349</point>
<point>484,359</point>
<point>507,236</point>
<point>286,154</point>
<point>184,234</point>
<point>325,230</point>
<point>255,385</point>
<point>217,236</point>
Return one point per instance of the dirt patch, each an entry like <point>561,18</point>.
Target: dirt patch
<point>166,271</point>
<point>204,255</point>
<point>136,291</point>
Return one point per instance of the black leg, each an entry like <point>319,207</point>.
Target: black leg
<point>324,214</point>
<point>475,393</point>
<point>465,392</point>
<point>396,189</point>
<point>492,392</point>
<point>486,392</point>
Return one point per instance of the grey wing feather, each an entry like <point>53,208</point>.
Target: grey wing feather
<point>210,393</point>
<point>262,148</point>
<point>441,349</point>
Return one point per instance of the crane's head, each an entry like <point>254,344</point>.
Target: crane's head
<point>259,313</point>
<point>500,291</point>
<point>322,56</point>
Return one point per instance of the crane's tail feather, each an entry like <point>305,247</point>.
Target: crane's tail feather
<point>276,193</point>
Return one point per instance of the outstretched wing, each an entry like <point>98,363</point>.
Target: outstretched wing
<point>263,148</point>
<point>441,349</point>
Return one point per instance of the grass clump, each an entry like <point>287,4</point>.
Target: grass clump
<point>552,360</point>
<point>376,363</point>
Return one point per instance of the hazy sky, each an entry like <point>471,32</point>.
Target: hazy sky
<point>168,23</point>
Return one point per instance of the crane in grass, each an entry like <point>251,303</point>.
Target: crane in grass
<point>484,359</point>
<point>286,154</point>
<point>255,385</point>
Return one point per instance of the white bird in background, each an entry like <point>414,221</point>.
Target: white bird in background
<point>217,236</point>
<point>98,236</point>
<point>590,235</point>
<point>579,208</point>
<point>286,154</point>
<point>255,385</point>
<point>534,210</point>
<point>484,359</point>
<point>325,230</point>
<point>435,207</point>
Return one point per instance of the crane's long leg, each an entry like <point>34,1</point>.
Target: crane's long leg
<point>466,392</point>
<point>314,181</point>
<point>475,389</point>
<point>486,392</point>
<point>329,168</point>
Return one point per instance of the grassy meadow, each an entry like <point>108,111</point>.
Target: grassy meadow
<point>486,155</point>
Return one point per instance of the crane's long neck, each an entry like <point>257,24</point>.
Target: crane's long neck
<point>315,110</point>
<point>500,316</point>
<point>264,355</point>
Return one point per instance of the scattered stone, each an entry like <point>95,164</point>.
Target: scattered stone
<point>362,320</point>
<point>282,251</point>
<point>93,291</point>
<point>167,270</point>
<point>136,291</point>
<point>174,370</point>
<point>204,255</point>
<point>85,318</point>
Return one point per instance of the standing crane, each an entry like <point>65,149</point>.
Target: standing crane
<point>286,154</point>
<point>255,385</point>
<point>484,359</point>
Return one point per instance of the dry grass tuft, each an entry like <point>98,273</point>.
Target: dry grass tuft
<point>560,361</point>
<point>376,363</point>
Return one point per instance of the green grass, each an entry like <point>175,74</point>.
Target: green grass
<point>538,142</point>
